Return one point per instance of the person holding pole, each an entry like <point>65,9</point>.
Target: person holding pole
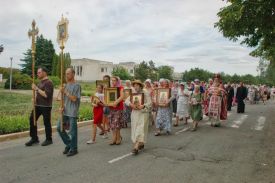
<point>43,106</point>
<point>71,95</point>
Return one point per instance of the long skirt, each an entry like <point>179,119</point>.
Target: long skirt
<point>196,112</point>
<point>115,119</point>
<point>164,118</point>
<point>182,109</point>
<point>139,126</point>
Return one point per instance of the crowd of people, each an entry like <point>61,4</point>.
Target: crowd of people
<point>184,101</point>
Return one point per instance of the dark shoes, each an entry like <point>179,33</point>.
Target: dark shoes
<point>32,142</point>
<point>135,151</point>
<point>47,142</point>
<point>66,150</point>
<point>141,146</point>
<point>72,153</point>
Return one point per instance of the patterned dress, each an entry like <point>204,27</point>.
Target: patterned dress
<point>164,117</point>
<point>215,108</point>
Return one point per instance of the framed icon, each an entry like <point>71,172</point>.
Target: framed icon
<point>95,100</point>
<point>137,99</point>
<point>105,83</point>
<point>163,96</point>
<point>62,31</point>
<point>111,95</point>
<point>127,93</point>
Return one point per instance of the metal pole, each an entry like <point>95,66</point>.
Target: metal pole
<point>11,74</point>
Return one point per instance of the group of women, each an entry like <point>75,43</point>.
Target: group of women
<point>184,102</point>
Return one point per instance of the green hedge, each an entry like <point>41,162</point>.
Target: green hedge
<point>11,124</point>
<point>85,113</point>
<point>19,81</point>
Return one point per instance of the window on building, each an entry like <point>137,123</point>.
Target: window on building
<point>132,71</point>
<point>105,69</point>
<point>80,70</point>
<point>102,69</point>
<point>77,71</point>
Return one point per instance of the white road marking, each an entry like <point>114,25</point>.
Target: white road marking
<point>260,123</point>
<point>119,158</point>
<point>183,130</point>
<point>239,122</point>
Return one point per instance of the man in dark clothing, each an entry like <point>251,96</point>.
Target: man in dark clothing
<point>230,92</point>
<point>241,96</point>
<point>43,106</point>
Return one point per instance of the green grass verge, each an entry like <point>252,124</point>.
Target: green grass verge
<point>15,110</point>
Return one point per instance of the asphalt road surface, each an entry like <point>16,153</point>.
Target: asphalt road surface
<point>242,150</point>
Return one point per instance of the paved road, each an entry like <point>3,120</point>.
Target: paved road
<point>242,150</point>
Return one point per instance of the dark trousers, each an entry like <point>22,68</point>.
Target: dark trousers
<point>46,113</point>
<point>241,106</point>
<point>174,103</point>
<point>229,104</point>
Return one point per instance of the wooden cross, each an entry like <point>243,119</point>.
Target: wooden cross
<point>32,34</point>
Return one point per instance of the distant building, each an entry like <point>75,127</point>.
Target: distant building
<point>88,70</point>
<point>129,66</point>
<point>177,76</point>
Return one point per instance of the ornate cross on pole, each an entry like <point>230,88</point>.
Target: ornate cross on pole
<point>32,34</point>
<point>62,37</point>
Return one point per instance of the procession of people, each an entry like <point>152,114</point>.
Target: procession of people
<point>138,105</point>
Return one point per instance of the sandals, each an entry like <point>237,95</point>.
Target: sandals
<point>118,143</point>
<point>140,147</point>
<point>157,134</point>
<point>112,143</point>
<point>193,129</point>
<point>135,151</point>
<point>175,125</point>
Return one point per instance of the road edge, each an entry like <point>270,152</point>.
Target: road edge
<point>13,136</point>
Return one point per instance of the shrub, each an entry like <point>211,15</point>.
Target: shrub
<point>85,113</point>
<point>15,123</point>
<point>19,81</point>
<point>55,80</point>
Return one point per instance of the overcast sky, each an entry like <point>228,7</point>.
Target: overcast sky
<point>178,33</point>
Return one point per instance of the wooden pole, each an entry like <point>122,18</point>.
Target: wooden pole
<point>33,33</point>
<point>61,80</point>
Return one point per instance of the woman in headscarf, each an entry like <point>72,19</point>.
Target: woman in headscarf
<point>116,110</point>
<point>195,102</point>
<point>139,117</point>
<point>182,104</point>
<point>164,114</point>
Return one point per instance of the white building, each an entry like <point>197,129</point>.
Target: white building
<point>129,66</point>
<point>88,70</point>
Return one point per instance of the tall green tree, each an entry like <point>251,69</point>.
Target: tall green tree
<point>251,22</point>
<point>142,71</point>
<point>165,72</point>
<point>197,73</point>
<point>57,63</point>
<point>122,73</point>
<point>44,56</point>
